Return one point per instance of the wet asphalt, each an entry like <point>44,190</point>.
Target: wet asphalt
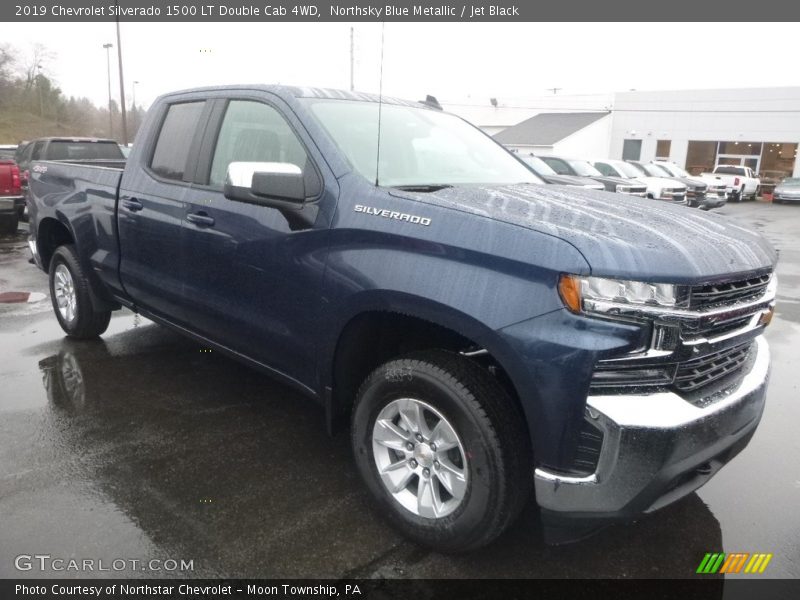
<point>145,446</point>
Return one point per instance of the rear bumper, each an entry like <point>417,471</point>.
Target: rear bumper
<point>657,448</point>
<point>8,204</point>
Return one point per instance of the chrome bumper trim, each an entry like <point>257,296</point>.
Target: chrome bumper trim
<point>652,440</point>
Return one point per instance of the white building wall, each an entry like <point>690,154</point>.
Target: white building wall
<point>590,142</point>
<point>747,115</point>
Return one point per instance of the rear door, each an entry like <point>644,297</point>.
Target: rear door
<point>253,279</point>
<point>152,203</point>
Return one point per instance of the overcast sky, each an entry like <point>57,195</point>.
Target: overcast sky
<point>453,61</point>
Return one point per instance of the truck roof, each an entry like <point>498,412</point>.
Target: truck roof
<point>291,92</point>
<point>65,138</point>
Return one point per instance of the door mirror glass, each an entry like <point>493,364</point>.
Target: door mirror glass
<point>281,185</point>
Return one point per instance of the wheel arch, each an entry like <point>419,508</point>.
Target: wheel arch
<point>372,335</point>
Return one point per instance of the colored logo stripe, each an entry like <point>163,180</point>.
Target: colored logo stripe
<point>719,562</point>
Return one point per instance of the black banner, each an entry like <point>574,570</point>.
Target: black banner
<point>399,11</point>
<point>710,588</point>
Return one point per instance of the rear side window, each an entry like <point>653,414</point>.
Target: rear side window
<point>67,150</point>
<point>175,140</point>
<point>36,152</point>
<point>254,132</point>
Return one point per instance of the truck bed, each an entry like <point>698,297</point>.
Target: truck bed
<point>83,194</point>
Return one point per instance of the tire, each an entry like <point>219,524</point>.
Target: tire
<point>9,224</point>
<point>492,449</point>
<point>72,302</point>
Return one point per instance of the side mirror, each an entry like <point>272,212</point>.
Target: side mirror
<point>280,185</point>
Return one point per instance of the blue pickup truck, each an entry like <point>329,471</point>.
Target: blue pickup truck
<point>489,339</point>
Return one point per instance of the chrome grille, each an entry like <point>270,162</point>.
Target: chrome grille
<point>703,296</point>
<point>699,372</point>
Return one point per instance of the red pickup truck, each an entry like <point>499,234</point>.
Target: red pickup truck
<point>10,194</point>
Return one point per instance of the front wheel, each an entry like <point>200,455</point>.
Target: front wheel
<point>72,301</point>
<point>443,449</point>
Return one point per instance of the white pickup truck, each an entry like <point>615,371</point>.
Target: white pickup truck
<point>740,182</point>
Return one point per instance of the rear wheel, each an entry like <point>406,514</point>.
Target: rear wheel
<point>72,301</point>
<point>443,449</point>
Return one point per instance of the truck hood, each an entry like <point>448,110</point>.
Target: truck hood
<point>620,236</point>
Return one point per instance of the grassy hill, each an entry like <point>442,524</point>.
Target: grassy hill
<point>16,125</point>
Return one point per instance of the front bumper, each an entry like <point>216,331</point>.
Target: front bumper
<point>786,197</point>
<point>657,447</point>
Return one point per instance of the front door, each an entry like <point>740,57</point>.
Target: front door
<point>252,281</point>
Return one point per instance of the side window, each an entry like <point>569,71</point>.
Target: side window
<point>558,165</point>
<point>254,132</point>
<point>606,169</point>
<point>175,140</point>
<point>36,151</point>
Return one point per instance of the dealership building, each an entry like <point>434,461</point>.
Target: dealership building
<point>697,129</point>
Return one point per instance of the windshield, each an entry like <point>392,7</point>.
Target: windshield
<point>418,147</point>
<point>656,171</point>
<point>628,170</point>
<point>584,168</point>
<point>676,170</point>
<point>791,181</point>
<point>538,165</point>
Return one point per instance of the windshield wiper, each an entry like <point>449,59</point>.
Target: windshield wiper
<point>423,187</point>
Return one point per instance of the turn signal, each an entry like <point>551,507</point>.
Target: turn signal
<point>569,288</point>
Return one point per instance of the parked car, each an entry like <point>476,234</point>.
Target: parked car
<point>7,151</point>
<point>658,188</point>
<point>574,167</point>
<point>699,194</point>
<point>482,336</point>
<point>740,182</point>
<point>787,190</point>
<point>543,170</point>
<point>770,178</point>
<point>10,195</point>
<point>66,148</point>
<point>11,186</point>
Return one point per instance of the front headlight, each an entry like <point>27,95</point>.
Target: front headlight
<point>609,296</point>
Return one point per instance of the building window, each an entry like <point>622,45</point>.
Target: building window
<point>701,156</point>
<point>777,162</point>
<point>631,149</point>
<point>662,149</point>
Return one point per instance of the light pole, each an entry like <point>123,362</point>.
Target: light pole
<point>133,108</point>
<point>121,86</point>
<point>39,81</point>
<point>108,65</point>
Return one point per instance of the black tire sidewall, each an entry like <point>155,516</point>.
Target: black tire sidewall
<point>482,455</point>
<point>65,255</point>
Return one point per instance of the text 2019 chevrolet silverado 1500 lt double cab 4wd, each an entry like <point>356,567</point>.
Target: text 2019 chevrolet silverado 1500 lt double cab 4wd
<point>486,335</point>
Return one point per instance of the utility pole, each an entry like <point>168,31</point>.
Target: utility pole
<point>108,65</point>
<point>352,60</point>
<point>121,86</point>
